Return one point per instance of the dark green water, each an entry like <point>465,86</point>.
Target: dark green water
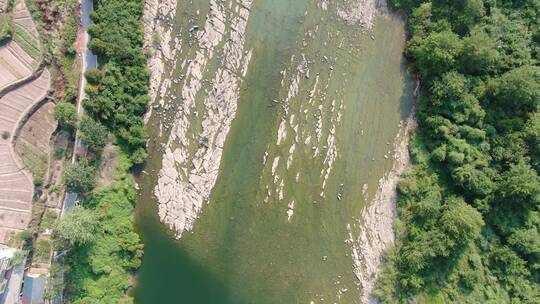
<point>243,249</point>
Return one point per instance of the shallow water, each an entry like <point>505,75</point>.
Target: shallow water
<point>339,126</point>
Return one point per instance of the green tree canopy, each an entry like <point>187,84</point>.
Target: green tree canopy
<point>480,53</point>
<point>80,178</point>
<point>438,52</point>
<point>470,209</point>
<point>66,115</point>
<point>521,184</point>
<point>94,135</point>
<point>461,221</point>
<point>518,90</point>
<point>78,227</point>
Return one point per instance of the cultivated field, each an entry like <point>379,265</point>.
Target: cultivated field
<point>24,30</point>
<point>16,186</point>
<point>20,56</point>
<point>15,64</point>
<point>33,141</point>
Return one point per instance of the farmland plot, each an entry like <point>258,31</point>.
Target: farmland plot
<point>16,187</point>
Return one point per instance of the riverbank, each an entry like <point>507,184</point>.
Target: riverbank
<point>377,234</point>
<point>104,255</point>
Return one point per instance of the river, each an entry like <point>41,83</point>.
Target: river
<point>319,103</point>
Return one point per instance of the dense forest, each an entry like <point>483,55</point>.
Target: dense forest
<point>469,207</point>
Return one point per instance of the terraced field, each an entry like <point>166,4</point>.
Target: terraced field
<point>16,186</point>
<point>20,56</point>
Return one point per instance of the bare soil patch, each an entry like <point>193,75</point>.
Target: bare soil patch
<point>110,163</point>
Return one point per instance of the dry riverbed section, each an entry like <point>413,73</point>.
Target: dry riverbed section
<point>208,98</point>
<point>376,225</point>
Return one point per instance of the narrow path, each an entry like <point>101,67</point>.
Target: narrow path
<point>89,62</point>
<point>88,58</point>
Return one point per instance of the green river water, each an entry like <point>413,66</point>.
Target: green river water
<point>243,249</point>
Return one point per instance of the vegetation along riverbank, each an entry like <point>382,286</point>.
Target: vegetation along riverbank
<point>469,207</point>
<point>104,249</point>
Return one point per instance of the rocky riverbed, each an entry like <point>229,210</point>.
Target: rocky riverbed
<point>278,132</point>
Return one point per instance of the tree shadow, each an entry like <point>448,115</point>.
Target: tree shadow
<point>170,275</point>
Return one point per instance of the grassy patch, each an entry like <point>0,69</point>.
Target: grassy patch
<point>42,252</point>
<point>100,269</point>
<point>6,28</point>
<point>33,160</point>
<point>47,221</point>
<point>27,41</point>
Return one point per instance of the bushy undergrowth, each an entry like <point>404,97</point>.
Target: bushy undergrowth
<point>104,248</point>
<point>105,255</point>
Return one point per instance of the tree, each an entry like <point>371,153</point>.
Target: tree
<point>66,115</point>
<point>78,227</point>
<point>461,221</point>
<point>93,76</point>
<point>521,185</point>
<point>507,265</point>
<point>513,39</point>
<point>476,239</point>
<point>475,180</point>
<point>518,89</point>
<point>93,135</point>
<point>80,178</point>
<point>480,54</point>
<point>421,22</point>
<point>138,156</point>
<point>438,53</point>
<point>532,133</point>
<point>469,12</point>
<point>451,95</point>
<point>135,136</point>
<point>526,241</point>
